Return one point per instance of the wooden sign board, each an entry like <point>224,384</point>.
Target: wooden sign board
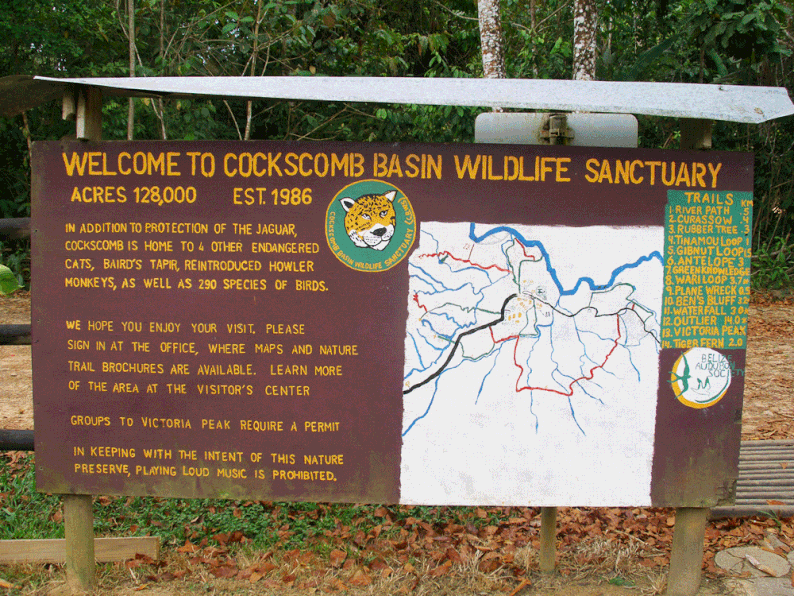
<point>440,324</point>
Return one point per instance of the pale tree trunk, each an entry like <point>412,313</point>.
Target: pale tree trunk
<point>585,26</point>
<point>161,114</point>
<point>131,28</point>
<point>532,19</point>
<point>491,43</point>
<point>533,24</point>
<point>493,59</point>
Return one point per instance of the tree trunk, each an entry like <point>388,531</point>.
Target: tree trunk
<point>249,104</point>
<point>26,133</point>
<point>493,59</point>
<point>161,114</point>
<point>131,28</point>
<point>585,26</point>
<point>533,27</point>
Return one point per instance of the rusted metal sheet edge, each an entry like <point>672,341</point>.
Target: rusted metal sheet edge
<point>680,100</point>
<point>15,335</point>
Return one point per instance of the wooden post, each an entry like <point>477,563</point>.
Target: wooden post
<point>68,107</point>
<point>88,125</point>
<point>548,539</point>
<point>78,509</point>
<point>689,535</point>
<point>686,558</point>
<point>78,517</point>
<point>696,134</point>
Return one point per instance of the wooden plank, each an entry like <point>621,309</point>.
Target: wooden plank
<point>106,550</point>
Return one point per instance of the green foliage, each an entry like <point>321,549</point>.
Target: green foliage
<point>543,51</point>
<point>621,581</point>
<point>717,41</point>
<point>8,281</point>
<point>15,196</point>
<point>738,30</point>
<point>25,513</point>
<point>773,265</point>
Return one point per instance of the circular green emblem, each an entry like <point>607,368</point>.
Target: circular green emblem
<point>370,225</point>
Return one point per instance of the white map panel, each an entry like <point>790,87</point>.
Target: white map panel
<point>531,365</point>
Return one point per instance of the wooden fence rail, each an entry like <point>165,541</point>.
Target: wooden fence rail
<point>15,335</point>
<point>15,228</point>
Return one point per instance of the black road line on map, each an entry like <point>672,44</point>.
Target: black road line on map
<point>457,343</point>
<point>598,314</point>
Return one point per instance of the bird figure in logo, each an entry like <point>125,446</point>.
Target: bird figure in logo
<point>683,378</point>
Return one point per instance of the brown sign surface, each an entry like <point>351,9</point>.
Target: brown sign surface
<point>389,323</point>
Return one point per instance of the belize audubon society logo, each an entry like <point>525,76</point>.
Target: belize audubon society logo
<point>370,225</point>
<point>700,377</point>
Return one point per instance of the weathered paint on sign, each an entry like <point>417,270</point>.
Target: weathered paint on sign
<point>390,323</point>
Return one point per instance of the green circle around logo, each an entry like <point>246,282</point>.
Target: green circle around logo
<point>370,225</point>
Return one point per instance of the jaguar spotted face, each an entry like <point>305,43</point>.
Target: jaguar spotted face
<point>370,219</point>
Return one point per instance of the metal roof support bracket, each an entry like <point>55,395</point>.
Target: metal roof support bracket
<point>555,130</point>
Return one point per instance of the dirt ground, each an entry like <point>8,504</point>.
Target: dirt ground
<point>768,414</point>
<point>769,378</point>
<point>16,399</point>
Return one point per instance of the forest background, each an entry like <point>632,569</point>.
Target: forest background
<point>740,42</point>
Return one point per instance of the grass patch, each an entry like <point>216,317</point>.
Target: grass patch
<point>26,513</point>
<point>253,547</point>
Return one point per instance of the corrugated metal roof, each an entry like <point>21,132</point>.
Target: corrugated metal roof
<point>714,102</point>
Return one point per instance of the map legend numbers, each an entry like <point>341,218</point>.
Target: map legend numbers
<point>707,269</point>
